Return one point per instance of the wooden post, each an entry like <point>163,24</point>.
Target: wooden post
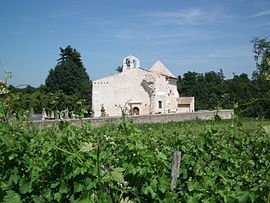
<point>176,162</point>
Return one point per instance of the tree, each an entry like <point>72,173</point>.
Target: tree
<point>261,77</point>
<point>192,84</point>
<point>119,69</point>
<point>261,50</point>
<point>209,89</point>
<point>70,76</point>
<point>241,88</point>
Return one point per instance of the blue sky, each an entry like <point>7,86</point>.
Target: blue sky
<point>185,35</point>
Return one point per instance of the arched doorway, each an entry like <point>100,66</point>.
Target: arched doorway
<point>135,111</point>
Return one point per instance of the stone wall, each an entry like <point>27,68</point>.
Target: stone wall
<point>157,118</point>
<point>119,90</point>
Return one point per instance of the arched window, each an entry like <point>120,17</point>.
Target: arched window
<point>128,62</point>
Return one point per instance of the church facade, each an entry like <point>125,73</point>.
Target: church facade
<point>139,91</point>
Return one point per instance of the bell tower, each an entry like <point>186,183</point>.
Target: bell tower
<point>130,62</point>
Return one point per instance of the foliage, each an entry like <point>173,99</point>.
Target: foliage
<point>251,96</point>
<point>261,77</point>
<point>209,89</point>
<point>221,162</point>
<point>67,87</point>
<point>261,50</point>
<point>119,69</point>
<point>37,98</point>
<point>69,76</point>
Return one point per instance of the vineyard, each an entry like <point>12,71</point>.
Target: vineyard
<point>222,161</point>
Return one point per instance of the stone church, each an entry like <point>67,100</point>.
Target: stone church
<point>140,91</point>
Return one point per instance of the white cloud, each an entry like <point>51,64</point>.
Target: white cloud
<point>195,16</point>
<point>233,52</point>
<point>125,34</point>
<point>179,17</point>
<point>153,37</point>
<point>260,14</point>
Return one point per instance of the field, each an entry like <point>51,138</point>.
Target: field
<point>222,161</point>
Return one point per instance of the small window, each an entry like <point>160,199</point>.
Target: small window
<point>160,104</point>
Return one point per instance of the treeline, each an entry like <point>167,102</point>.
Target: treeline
<point>68,86</point>
<point>249,97</point>
<point>38,98</point>
<point>213,92</point>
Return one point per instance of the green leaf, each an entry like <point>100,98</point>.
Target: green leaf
<point>193,185</point>
<point>223,195</point>
<point>12,156</point>
<point>84,200</point>
<point>15,178</point>
<point>242,196</point>
<point>90,183</point>
<point>87,147</point>
<point>63,188</point>
<point>163,184</point>
<point>37,199</point>
<point>47,194</point>
<point>57,196</point>
<point>192,199</point>
<point>117,175</point>
<point>148,190</point>
<point>153,184</point>
<point>184,173</point>
<point>54,185</point>
<point>25,186</point>
<point>107,178</point>
<point>162,188</point>
<point>118,169</point>
<point>161,156</point>
<point>11,197</point>
<point>78,187</point>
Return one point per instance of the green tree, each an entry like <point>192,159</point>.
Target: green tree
<point>209,89</point>
<point>70,76</point>
<point>241,89</point>
<point>119,69</point>
<point>216,89</point>
<point>261,77</point>
<point>261,50</point>
<point>192,85</point>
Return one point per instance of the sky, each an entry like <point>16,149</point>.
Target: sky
<point>200,36</point>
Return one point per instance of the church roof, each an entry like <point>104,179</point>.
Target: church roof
<point>160,68</point>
